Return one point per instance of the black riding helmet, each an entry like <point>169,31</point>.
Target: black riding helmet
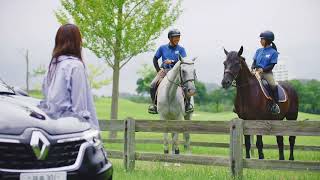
<point>173,33</point>
<point>268,35</point>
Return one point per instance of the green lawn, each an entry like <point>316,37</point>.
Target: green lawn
<point>139,111</point>
<point>156,170</point>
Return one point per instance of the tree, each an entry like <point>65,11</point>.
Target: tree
<point>96,78</point>
<point>147,74</point>
<point>309,95</point>
<point>25,53</point>
<point>201,95</point>
<point>38,72</point>
<point>27,70</point>
<point>117,30</point>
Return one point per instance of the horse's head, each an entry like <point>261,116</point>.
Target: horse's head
<point>188,76</point>
<point>232,67</point>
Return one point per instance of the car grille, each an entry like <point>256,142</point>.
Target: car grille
<point>21,156</point>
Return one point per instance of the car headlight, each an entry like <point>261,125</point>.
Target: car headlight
<point>91,136</point>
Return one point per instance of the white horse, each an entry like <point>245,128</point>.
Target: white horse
<point>178,82</point>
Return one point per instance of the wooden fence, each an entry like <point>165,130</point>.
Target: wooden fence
<point>235,128</point>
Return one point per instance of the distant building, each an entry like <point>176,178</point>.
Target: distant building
<point>280,71</point>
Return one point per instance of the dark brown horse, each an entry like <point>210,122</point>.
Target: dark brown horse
<point>251,104</point>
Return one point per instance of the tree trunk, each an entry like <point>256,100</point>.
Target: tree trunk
<point>115,96</point>
<point>116,69</point>
<point>27,69</point>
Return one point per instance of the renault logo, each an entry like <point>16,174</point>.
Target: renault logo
<point>40,145</point>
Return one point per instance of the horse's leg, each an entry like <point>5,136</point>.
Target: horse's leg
<point>165,143</point>
<point>248,145</point>
<point>280,146</point>
<point>186,136</point>
<point>165,146</point>
<point>175,144</point>
<point>259,145</point>
<point>292,115</point>
<point>292,140</point>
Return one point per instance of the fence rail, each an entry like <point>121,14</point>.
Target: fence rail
<point>235,128</point>
<point>213,144</point>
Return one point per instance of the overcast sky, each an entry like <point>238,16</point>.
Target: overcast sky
<point>206,26</point>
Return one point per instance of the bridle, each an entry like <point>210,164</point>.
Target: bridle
<point>235,76</point>
<point>183,82</point>
<point>228,71</point>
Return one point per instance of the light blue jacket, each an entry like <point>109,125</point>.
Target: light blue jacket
<point>67,92</point>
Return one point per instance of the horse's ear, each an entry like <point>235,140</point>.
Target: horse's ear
<point>240,51</point>
<point>225,51</point>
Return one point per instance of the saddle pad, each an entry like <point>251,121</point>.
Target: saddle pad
<point>267,90</point>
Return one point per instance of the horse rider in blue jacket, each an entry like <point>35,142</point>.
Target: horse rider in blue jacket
<point>170,55</point>
<point>264,61</point>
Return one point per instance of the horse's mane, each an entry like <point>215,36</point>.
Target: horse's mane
<point>245,65</point>
<point>243,61</point>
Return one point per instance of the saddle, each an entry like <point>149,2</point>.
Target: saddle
<point>267,91</point>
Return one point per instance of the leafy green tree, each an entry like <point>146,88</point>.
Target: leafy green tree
<point>309,95</point>
<point>96,77</point>
<point>38,72</point>
<point>146,73</point>
<point>117,30</point>
<point>201,96</point>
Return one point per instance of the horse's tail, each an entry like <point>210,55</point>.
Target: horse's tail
<point>293,110</point>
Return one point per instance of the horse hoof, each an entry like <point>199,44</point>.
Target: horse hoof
<point>281,158</point>
<point>291,158</point>
<point>248,157</point>
<point>177,164</point>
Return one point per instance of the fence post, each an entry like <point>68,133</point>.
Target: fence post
<point>236,141</point>
<point>129,144</point>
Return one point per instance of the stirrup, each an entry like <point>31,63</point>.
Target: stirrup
<point>152,109</point>
<point>190,110</point>
<point>275,109</point>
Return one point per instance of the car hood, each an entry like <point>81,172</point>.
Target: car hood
<point>17,114</point>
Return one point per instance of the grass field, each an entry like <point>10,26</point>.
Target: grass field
<point>156,170</point>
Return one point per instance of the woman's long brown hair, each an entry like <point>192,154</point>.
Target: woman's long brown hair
<point>68,42</point>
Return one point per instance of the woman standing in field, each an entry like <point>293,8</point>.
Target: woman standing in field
<point>65,87</point>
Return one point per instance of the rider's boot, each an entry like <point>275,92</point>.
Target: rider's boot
<point>153,107</point>
<point>275,109</point>
<point>189,107</point>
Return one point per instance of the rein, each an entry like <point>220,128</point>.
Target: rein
<point>182,82</point>
<point>234,84</point>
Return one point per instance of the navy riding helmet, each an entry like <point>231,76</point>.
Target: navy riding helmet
<point>268,35</point>
<point>173,33</point>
